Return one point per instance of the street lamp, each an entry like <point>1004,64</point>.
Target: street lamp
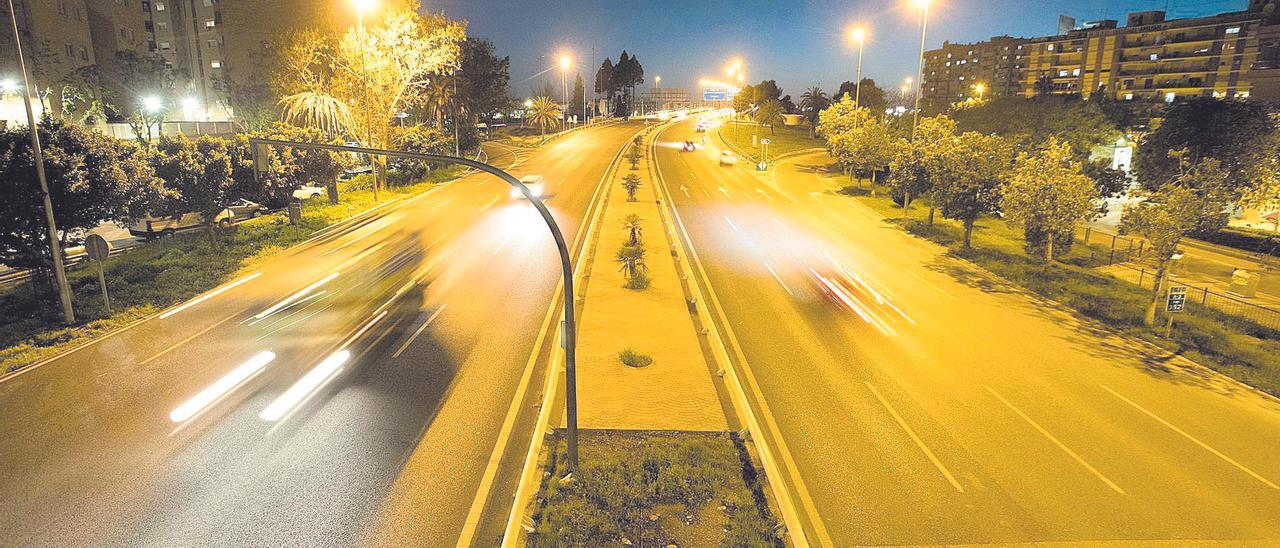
<point>859,35</point>
<point>924,25</point>
<point>564,84</point>
<point>362,6</point>
<point>980,88</point>
<point>55,248</point>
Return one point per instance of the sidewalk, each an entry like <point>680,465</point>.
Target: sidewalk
<point>676,392</point>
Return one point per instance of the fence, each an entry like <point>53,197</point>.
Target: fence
<point>1240,311</point>
<point>1120,248</point>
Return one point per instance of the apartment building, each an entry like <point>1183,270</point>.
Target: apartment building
<point>57,41</point>
<point>1231,55</point>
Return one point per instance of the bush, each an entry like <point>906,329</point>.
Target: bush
<point>631,358</point>
<point>1244,239</point>
<point>639,281</point>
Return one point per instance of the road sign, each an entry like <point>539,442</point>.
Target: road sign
<point>97,247</point>
<point>765,141</point>
<point>1177,300</point>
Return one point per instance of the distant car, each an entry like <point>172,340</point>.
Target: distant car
<point>308,191</point>
<point>727,158</point>
<point>245,209</point>
<point>355,172</point>
<point>701,127</point>
<point>537,186</point>
<point>689,146</point>
<point>160,227</point>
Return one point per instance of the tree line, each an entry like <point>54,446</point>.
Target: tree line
<point>616,83</point>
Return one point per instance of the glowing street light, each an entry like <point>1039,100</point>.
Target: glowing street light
<point>565,61</point>
<point>151,104</point>
<point>924,25</point>
<point>980,88</point>
<point>362,7</point>
<point>859,35</point>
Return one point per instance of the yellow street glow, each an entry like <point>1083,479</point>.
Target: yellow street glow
<point>565,61</point>
<point>363,6</point>
<point>305,386</point>
<point>858,35</point>
<point>221,387</point>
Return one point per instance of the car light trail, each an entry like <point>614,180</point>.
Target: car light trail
<point>211,294</point>
<point>305,386</point>
<point>221,387</point>
<point>276,307</point>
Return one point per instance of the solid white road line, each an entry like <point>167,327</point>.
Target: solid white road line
<point>780,223</point>
<point>930,284</point>
<point>185,341</point>
<point>441,204</point>
<point>730,221</point>
<point>704,191</point>
<point>1184,434</point>
<point>1060,445</point>
<point>504,243</point>
<point>419,331</point>
<point>919,443</point>
<point>779,278</point>
<point>210,295</point>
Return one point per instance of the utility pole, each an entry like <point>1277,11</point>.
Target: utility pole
<point>59,273</point>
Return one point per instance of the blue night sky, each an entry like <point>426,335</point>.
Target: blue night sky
<point>799,43</point>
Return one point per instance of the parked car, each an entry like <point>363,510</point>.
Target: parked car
<point>536,183</point>
<point>308,191</point>
<point>354,172</point>
<point>727,158</point>
<point>161,227</point>
<point>245,209</point>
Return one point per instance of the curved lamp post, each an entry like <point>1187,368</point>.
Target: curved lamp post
<point>259,149</point>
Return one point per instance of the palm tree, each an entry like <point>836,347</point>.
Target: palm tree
<point>631,257</point>
<point>812,102</point>
<point>769,114</point>
<point>634,230</point>
<point>318,110</point>
<point>440,94</point>
<point>544,112</point>
<point>631,183</point>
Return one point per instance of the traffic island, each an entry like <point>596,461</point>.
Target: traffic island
<point>647,488</point>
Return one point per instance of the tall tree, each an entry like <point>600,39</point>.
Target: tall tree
<point>871,96</point>
<point>1240,135</point>
<point>199,171</point>
<point>1028,122</point>
<point>812,102</point>
<point>1193,201</point>
<point>545,113</point>
<point>483,79</point>
<point>1049,196</point>
<point>578,101</point>
<point>915,169</point>
<point>769,114</point>
<point>971,176</point>
<point>604,81</point>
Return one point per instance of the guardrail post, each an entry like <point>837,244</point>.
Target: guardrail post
<point>1112,258</point>
<point>1141,273</point>
<point>1204,299</point>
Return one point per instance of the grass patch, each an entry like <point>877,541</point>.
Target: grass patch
<point>653,489</point>
<point>782,140</point>
<point>631,358</point>
<point>163,273</point>
<point>1244,351</point>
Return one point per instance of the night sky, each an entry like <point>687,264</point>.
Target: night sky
<point>799,43</point>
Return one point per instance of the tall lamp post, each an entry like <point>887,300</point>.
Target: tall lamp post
<point>981,88</point>
<point>924,25</point>
<point>657,84</point>
<point>859,35</point>
<point>55,247</point>
<point>361,7</point>
<point>564,86</point>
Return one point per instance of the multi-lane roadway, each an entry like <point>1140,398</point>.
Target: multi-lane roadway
<point>921,401</point>
<point>351,390</point>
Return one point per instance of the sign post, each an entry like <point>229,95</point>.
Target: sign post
<point>1175,302</point>
<point>98,249</point>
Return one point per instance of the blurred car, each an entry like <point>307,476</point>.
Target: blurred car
<point>245,209</point>
<point>701,127</point>
<point>727,158</point>
<point>150,227</point>
<point>355,172</point>
<point>689,146</point>
<point>308,191</point>
<point>536,183</point>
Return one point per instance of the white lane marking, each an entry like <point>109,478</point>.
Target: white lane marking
<point>276,307</point>
<point>704,191</point>
<point>221,387</point>
<point>930,284</point>
<point>815,196</point>
<point>724,191</point>
<point>730,221</point>
<point>685,190</point>
<point>421,328</point>
<point>1055,441</point>
<point>919,443</point>
<point>1184,434</point>
<point>780,223</point>
<point>441,204</point>
<point>779,278</point>
<point>489,205</point>
<point>210,295</point>
<point>502,245</point>
<point>184,341</point>
<point>766,194</point>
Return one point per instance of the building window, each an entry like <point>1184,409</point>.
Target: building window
<point>210,24</point>
<point>1170,96</point>
<point>1075,72</point>
<point>165,46</point>
<point>1155,56</point>
<point>1050,47</point>
<point>1233,30</point>
<point>1128,97</point>
<point>213,43</point>
<point>1062,73</point>
<point>84,54</point>
<point>216,64</point>
<point>1243,95</point>
<point>159,6</point>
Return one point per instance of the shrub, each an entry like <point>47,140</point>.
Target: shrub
<point>640,280</point>
<point>631,183</point>
<point>631,358</point>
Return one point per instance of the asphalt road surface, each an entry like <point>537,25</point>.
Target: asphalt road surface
<point>348,391</point>
<point>925,402</point>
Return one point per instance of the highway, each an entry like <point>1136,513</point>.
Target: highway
<point>922,401</point>
<point>348,391</point>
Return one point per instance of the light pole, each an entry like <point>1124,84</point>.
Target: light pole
<point>55,248</point>
<point>362,6</point>
<point>980,88</point>
<point>564,86</point>
<point>148,106</point>
<point>860,37</point>
<point>657,85</point>
<point>924,25</point>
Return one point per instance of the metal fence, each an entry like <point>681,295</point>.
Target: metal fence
<point>1119,248</point>
<point>1240,311</point>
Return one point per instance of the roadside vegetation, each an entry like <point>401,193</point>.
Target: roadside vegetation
<point>653,489</point>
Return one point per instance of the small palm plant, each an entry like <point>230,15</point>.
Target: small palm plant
<point>631,257</point>
<point>631,183</point>
<point>634,231</point>
<point>544,112</point>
